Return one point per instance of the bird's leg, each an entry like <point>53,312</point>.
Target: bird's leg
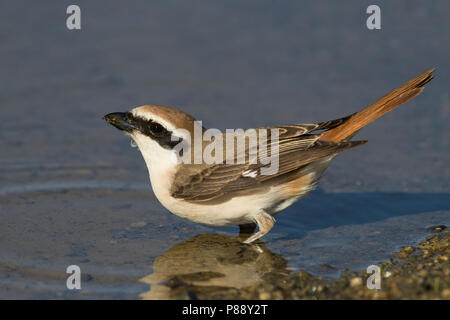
<point>265,222</point>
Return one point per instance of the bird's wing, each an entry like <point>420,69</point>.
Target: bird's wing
<point>297,147</point>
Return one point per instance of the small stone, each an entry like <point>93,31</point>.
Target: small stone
<point>422,273</point>
<point>277,295</point>
<point>438,228</point>
<point>356,281</point>
<point>264,296</point>
<point>408,249</point>
<point>446,294</point>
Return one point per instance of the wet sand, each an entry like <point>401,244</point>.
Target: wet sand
<point>415,272</point>
<point>73,191</point>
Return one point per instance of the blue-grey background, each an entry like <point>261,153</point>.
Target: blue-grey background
<point>72,191</point>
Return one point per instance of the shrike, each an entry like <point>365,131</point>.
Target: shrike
<point>224,194</point>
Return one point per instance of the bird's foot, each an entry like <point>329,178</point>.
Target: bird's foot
<point>265,223</point>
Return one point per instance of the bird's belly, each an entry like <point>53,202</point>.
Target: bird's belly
<point>238,210</point>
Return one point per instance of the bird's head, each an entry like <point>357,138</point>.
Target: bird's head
<point>156,130</point>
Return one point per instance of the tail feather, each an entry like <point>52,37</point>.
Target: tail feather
<point>383,105</point>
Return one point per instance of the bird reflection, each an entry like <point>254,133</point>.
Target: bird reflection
<point>210,265</point>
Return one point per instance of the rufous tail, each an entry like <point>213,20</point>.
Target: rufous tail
<point>383,105</point>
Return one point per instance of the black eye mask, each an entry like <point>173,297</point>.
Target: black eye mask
<point>153,130</point>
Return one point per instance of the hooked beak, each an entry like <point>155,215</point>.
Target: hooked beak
<point>120,120</point>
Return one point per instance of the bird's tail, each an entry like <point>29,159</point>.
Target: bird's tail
<point>356,121</point>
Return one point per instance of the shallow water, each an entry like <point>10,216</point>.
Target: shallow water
<point>73,191</point>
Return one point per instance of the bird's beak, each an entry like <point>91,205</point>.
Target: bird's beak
<point>120,120</point>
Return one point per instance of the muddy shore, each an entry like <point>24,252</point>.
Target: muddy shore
<point>416,272</point>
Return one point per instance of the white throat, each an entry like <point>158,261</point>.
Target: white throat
<point>160,164</point>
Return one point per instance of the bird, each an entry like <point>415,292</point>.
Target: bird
<point>238,194</point>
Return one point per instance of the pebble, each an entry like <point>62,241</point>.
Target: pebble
<point>438,228</point>
<point>408,249</point>
<point>422,273</point>
<point>446,294</point>
<point>356,281</point>
<point>264,296</point>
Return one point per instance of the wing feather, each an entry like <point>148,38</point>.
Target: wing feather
<point>297,147</point>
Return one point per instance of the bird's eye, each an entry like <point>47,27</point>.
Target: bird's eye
<point>156,127</point>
